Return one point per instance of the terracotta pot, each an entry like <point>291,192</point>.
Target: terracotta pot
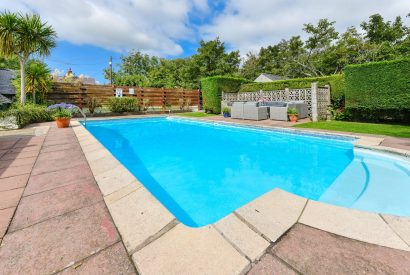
<point>293,118</point>
<point>63,122</point>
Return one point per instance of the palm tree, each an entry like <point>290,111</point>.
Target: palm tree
<point>23,36</point>
<point>38,78</point>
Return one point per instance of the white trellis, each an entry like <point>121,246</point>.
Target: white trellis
<point>317,98</point>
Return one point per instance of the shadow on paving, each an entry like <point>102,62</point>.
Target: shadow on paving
<point>61,223</point>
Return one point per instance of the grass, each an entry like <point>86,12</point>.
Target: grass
<point>195,114</point>
<point>393,130</point>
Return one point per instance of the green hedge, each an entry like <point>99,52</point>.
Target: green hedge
<point>336,83</point>
<point>379,91</point>
<point>212,88</point>
<point>29,113</point>
<point>123,104</point>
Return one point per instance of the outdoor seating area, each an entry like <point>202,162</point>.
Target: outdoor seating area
<point>275,110</point>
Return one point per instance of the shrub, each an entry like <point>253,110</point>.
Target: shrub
<point>379,91</point>
<point>336,83</point>
<point>92,104</point>
<point>26,114</point>
<point>123,104</point>
<point>212,88</point>
<point>226,110</point>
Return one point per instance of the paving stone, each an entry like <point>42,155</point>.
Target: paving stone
<point>51,165</point>
<point>400,225</point>
<point>5,218</point>
<point>2,152</point>
<point>114,179</point>
<point>12,156</point>
<point>184,250</point>
<point>30,141</point>
<point>27,148</point>
<point>17,162</point>
<point>60,147</point>
<point>43,182</point>
<point>35,208</point>
<point>312,251</point>
<point>273,213</point>
<point>15,171</point>
<point>138,217</point>
<point>117,195</point>
<point>54,244</point>
<point>271,265</point>
<point>7,144</point>
<point>10,198</point>
<point>13,182</point>
<point>112,260</point>
<point>59,140</point>
<point>58,155</point>
<point>91,147</point>
<point>101,165</point>
<point>354,224</point>
<point>244,238</point>
<point>97,154</point>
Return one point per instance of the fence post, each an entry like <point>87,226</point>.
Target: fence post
<point>286,94</point>
<point>314,102</point>
<point>328,94</point>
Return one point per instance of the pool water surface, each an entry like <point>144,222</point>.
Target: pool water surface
<point>203,171</point>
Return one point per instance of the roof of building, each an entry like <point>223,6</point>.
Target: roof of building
<point>6,88</point>
<point>271,76</point>
<point>4,100</point>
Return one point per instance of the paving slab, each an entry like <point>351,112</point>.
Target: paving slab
<point>273,213</point>
<point>60,147</point>
<point>13,182</point>
<point>354,224</point>
<point>114,179</point>
<point>5,218</point>
<point>271,265</point>
<point>29,141</point>
<point>15,171</point>
<point>97,154</point>
<point>7,144</point>
<point>138,217</point>
<point>52,245</point>
<point>112,260</point>
<point>27,148</point>
<point>35,208</point>
<point>10,198</point>
<point>17,162</point>
<point>119,194</point>
<point>51,165</point>
<point>2,152</point>
<point>242,237</point>
<point>313,251</point>
<point>13,156</point>
<point>59,155</point>
<point>185,250</point>
<point>400,225</point>
<point>101,165</point>
<point>47,181</point>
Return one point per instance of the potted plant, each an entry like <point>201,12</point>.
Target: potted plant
<point>293,114</point>
<point>62,113</point>
<point>226,111</point>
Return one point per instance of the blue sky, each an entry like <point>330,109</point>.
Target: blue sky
<point>90,31</point>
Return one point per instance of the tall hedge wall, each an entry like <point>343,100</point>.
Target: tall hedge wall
<point>336,83</point>
<point>212,88</point>
<point>379,91</point>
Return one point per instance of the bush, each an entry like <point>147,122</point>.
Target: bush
<point>92,104</point>
<point>26,114</point>
<point>212,88</point>
<point>336,83</point>
<point>379,91</point>
<point>123,104</point>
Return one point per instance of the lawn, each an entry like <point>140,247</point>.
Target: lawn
<point>196,114</point>
<point>393,130</point>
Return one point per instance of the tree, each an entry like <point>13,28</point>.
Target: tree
<point>38,78</point>
<point>11,63</point>
<point>22,36</point>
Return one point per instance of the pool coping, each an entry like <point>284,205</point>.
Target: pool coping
<point>150,232</point>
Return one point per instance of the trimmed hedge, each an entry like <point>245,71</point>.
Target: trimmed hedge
<point>123,104</point>
<point>379,91</point>
<point>336,82</point>
<point>212,88</point>
<point>29,113</point>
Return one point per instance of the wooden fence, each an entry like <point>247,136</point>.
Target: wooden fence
<point>158,97</point>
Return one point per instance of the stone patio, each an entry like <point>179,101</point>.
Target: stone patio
<point>68,206</point>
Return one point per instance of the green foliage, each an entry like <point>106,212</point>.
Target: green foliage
<point>212,88</point>
<point>226,110</point>
<point>61,113</point>
<point>357,127</point>
<point>29,113</point>
<point>379,91</point>
<point>92,104</point>
<point>11,63</point>
<point>123,104</point>
<point>336,83</point>
<point>293,111</point>
<point>195,114</point>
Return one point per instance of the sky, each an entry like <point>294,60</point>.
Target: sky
<point>90,31</point>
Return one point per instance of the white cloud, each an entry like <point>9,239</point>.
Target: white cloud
<point>248,25</point>
<point>153,26</point>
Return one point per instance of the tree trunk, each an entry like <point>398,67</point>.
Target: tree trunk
<point>23,81</point>
<point>34,92</point>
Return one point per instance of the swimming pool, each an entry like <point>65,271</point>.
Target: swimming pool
<point>203,171</point>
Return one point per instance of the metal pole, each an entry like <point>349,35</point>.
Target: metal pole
<point>110,70</point>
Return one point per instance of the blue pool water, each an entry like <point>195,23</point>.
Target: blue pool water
<point>203,171</point>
